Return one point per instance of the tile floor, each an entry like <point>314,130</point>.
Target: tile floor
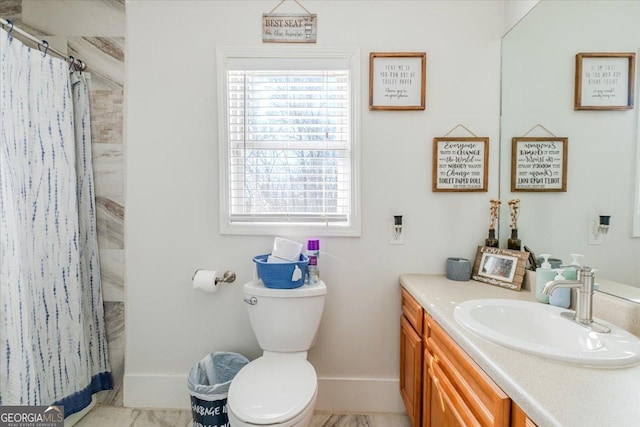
<point>111,416</point>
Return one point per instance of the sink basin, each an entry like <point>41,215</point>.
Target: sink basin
<point>538,329</point>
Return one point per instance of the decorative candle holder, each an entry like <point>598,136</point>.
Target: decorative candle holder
<point>458,269</point>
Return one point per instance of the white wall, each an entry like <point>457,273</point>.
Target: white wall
<point>538,88</point>
<point>172,189</point>
<point>515,10</point>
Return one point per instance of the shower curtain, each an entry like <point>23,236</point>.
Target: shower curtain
<point>52,333</point>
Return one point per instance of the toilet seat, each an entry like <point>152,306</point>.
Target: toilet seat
<point>272,389</point>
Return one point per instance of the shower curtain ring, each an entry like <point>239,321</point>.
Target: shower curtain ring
<point>72,62</point>
<point>10,29</point>
<point>46,47</point>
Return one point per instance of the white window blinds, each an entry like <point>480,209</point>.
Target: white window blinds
<point>289,141</point>
<point>289,146</point>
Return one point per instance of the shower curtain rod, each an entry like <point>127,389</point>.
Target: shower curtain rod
<point>77,63</point>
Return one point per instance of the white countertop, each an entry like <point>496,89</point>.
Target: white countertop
<point>618,289</point>
<point>550,393</point>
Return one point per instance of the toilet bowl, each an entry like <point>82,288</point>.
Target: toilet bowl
<point>273,390</point>
<point>278,389</point>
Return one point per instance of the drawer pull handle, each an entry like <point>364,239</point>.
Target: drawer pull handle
<point>440,392</point>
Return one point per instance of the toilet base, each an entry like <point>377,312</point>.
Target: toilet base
<point>301,420</point>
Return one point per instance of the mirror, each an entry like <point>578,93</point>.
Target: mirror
<point>538,64</point>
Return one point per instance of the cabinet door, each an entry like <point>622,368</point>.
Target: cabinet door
<point>410,370</point>
<point>519,418</point>
<point>446,408</point>
<point>488,403</point>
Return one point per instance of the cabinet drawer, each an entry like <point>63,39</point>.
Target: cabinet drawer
<point>412,311</point>
<point>448,407</point>
<point>488,403</point>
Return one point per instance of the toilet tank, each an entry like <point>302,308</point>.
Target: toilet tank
<point>285,320</point>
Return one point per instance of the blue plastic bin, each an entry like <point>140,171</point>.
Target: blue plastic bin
<point>280,275</point>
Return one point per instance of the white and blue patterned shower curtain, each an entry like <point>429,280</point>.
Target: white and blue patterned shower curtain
<point>52,333</point>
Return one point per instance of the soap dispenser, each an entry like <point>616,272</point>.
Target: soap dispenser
<point>560,297</point>
<point>544,275</point>
<point>571,273</point>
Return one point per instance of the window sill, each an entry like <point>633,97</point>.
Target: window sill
<point>289,230</point>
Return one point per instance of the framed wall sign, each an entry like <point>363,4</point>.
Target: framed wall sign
<point>539,164</point>
<point>397,80</point>
<point>604,81</point>
<point>460,164</point>
<point>500,267</point>
<point>289,28</point>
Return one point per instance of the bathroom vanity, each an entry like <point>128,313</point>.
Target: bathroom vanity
<point>451,377</point>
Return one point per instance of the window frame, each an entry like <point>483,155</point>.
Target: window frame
<point>224,55</point>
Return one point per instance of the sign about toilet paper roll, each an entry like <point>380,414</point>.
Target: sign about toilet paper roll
<point>460,164</point>
<point>205,280</point>
<point>539,164</point>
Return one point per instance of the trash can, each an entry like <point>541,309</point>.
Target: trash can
<point>208,383</point>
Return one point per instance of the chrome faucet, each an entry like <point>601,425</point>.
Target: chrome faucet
<point>584,291</point>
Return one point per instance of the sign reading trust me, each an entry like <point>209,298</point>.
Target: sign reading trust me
<point>289,28</point>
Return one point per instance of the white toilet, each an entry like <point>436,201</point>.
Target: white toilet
<point>278,389</point>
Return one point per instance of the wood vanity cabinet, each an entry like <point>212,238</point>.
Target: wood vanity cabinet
<point>440,384</point>
<point>411,323</point>
<point>456,391</point>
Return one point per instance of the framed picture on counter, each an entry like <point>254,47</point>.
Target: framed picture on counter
<point>500,267</point>
<point>397,80</point>
<point>604,81</point>
<point>460,164</point>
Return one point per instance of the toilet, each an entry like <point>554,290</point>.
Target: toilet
<point>279,388</point>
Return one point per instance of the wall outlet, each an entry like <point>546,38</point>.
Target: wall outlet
<point>393,238</point>
<point>594,237</point>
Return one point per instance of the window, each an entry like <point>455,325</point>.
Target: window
<point>288,142</point>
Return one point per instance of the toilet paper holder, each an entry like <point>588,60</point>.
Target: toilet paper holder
<point>227,277</point>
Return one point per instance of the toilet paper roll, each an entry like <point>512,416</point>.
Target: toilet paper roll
<point>286,249</point>
<point>205,280</point>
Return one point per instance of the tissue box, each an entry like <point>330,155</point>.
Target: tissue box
<point>281,275</point>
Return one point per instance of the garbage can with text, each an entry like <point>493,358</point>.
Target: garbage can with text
<point>208,383</point>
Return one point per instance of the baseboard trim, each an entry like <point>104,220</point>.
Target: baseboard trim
<point>361,395</point>
<point>156,391</point>
<point>334,394</point>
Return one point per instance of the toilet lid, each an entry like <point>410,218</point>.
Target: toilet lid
<point>272,389</point>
